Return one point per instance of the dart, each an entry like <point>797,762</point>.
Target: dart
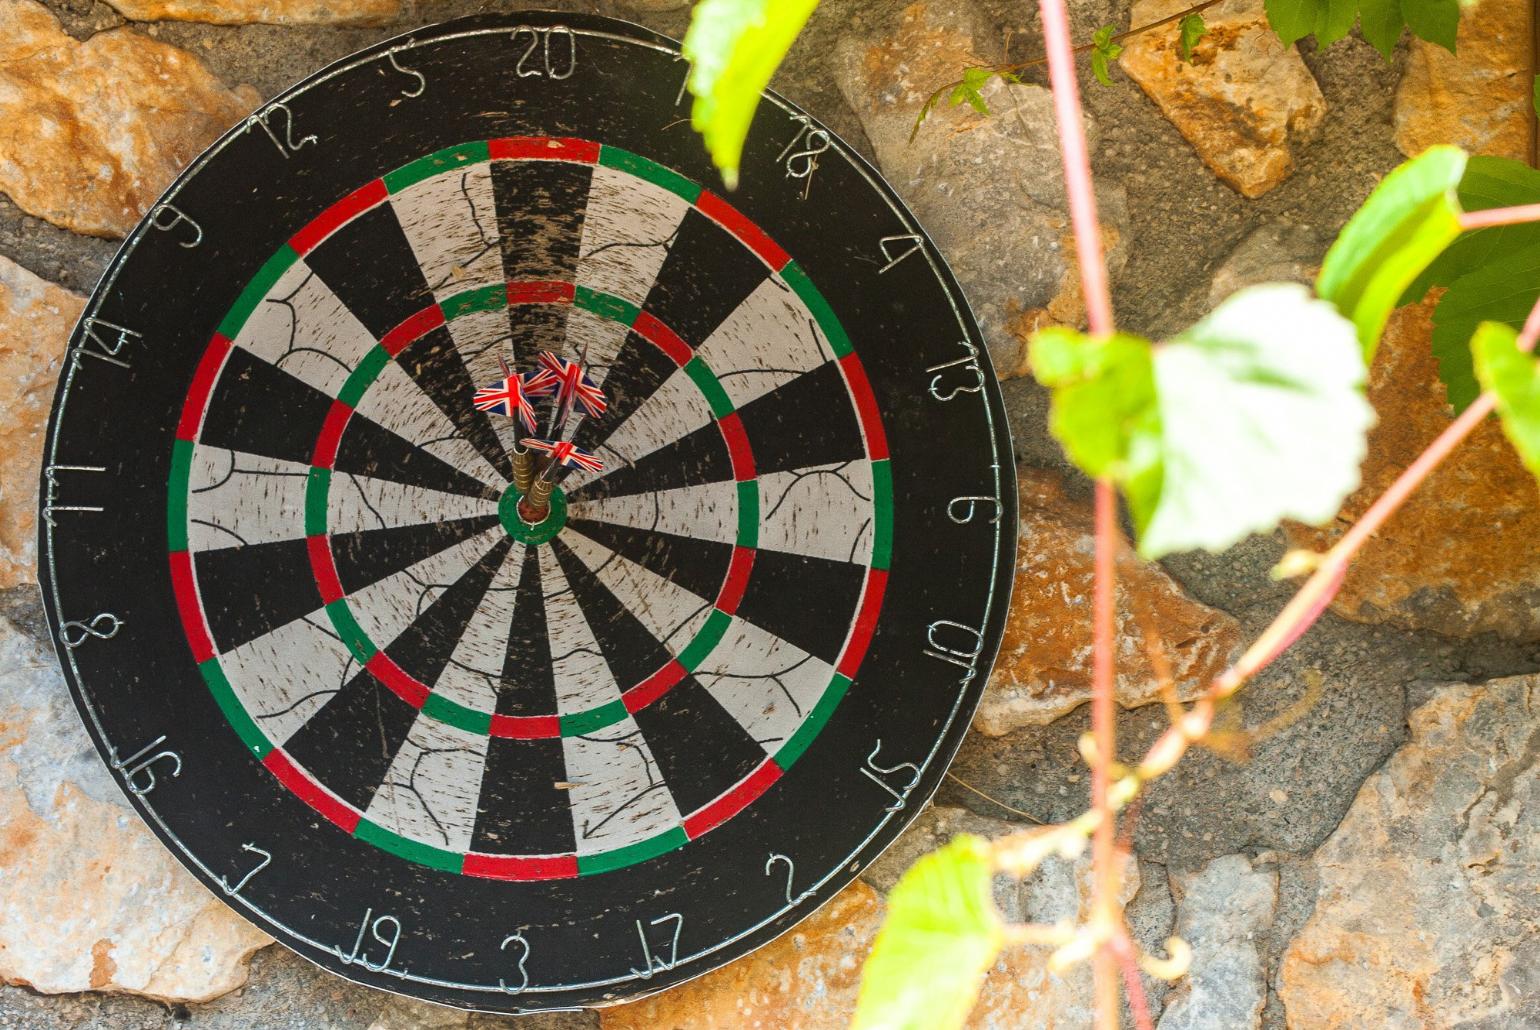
<point>574,388</point>
<point>564,454</point>
<point>512,396</point>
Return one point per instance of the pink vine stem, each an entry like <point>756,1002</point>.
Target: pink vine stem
<point>1106,920</point>
<point>1500,216</point>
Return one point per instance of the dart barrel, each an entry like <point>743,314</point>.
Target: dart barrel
<point>524,471</point>
<point>537,502</point>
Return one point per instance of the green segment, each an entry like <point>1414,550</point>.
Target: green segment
<point>255,290</point>
<point>814,723</point>
<point>797,279</point>
<point>176,502</point>
<point>483,298</point>
<point>411,850</point>
<point>642,168</point>
<point>706,382</point>
<point>515,526</point>
<point>433,164</point>
<point>605,306</point>
<point>882,520</point>
<point>710,636</point>
<point>748,513</point>
<point>363,376</point>
<point>350,631</point>
<point>594,719</point>
<point>631,854</point>
<point>455,714</point>
<point>251,735</point>
<point>316,489</point>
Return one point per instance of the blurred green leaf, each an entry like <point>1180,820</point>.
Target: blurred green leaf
<point>1103,52</point>
<point>1514,377</point>
<point>1189,31</point>
<point>941,935</point>
<point>734,47</point>
<point>1380,21</point>
<point>1399,231</point>
<point>1103,396</point>
<point>973,81</point>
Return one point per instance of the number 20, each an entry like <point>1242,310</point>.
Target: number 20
<point>537,36</point>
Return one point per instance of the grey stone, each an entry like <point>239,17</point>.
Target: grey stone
<point>1281,252</point>
<point>1220,911</point>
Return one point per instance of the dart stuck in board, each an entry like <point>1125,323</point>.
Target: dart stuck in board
<point>538,576</point>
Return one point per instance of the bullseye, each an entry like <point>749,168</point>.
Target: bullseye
<point>541,530</point>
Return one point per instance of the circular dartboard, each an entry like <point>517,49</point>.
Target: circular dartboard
<point>431,742</point>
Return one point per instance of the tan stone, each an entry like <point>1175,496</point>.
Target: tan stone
<point>271,12</point>
<point>1044,668</point>
<point>35,321</point>
<point>92,900</point>
<point>1427,908</point>
<point>1479,99</point>
<point>91,133</point>
<point>1463,555</point>
<point>1242,101</point>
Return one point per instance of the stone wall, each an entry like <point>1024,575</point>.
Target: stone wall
<point>1358,848</point>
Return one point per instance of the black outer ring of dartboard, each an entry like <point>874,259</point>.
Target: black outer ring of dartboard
<point>80,489</point>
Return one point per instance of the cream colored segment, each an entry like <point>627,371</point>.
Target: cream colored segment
<point>235,498</point>
<point>675,410</point>
<point>396,402</point>
<point>628,227</point>
<point>482,338</point>
<point>823,511</point>
<point>768,340</point>
<point>617,796</point>
<point>359,503</point>
<point>764,682</point>
<point>476,665</point>
<point>671,613</point>
<point>431,791</point>
<point>451,222</point>
<point>583,677</point>
<point>302,328</point>
<point>283,677</point>
<point>384,608</point>
<point>706,512</point>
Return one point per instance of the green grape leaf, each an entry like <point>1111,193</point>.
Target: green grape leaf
<point>734,47</point>
<point>1254,415</point>
<point>941,935</point>
<point>1189,31</point>
<point>1379,20</point>
<point>1491,274</point>
<point>973,81</point>
<point>1399,231</point>
<point>1103,52</point>
<point>1436,21</point>
<point>1514,377</point>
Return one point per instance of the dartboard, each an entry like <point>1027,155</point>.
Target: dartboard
<point>430,737</point>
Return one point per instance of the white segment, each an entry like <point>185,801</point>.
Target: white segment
<point>618,795</point>
<point>476,666</point>
<point>236,498</point>
<point>767,684</point>
<point>707,512</point>
<point>432,788</point>
<point>385,608</point>
<point>671,613</point>
<point>482,337</point>
<point>395,401</point>
<point>824,511</point>
<point>451,222</point>
<point>358,502</point>
<point>675,410</point>
<point>302,328</point>
<point>628,227</point>
<point>583,677</point>
<point>283,677</point>
<point>769,340</point>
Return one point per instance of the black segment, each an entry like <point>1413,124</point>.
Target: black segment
<point>435,365</point>
<point>528,685</point>
<point>810,602</point>
<point>350,742</point>
<point>706,275</point>
<point>695,458</point>
<point>252,590</point>
<point>423,649</point>
<point>240,418</point>
<point>369,449</point>
<point>523,810</point>
<point>781,444</point>
<point>700,749</point>
<point>636,373</point>
<point>698,565</point>
<point>629,648</point>
<point>534,328</point>
<point>540,207</point>
<point>368,556</point>
<point>370,266</point>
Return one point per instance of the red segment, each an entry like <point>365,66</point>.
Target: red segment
<point>520,867</point>
<point>866,406</point>
<point>330,437</point>
<point>402,684</point>
<point>737,446</point>
<point>334,217</point>
<point>653,687</point>
<point>663,338</point>
<point>414,328</point>
<point>525,727</point>
<point>324,568</point>
<point>734,801</point>
<point>749,234</point>
<point>186,591</point>
<point>310,792</point>
<point>540,293</point>
<point>202,386</point>
<point>737,580</point>
<point>866,623</point>
<point>543,148</point>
